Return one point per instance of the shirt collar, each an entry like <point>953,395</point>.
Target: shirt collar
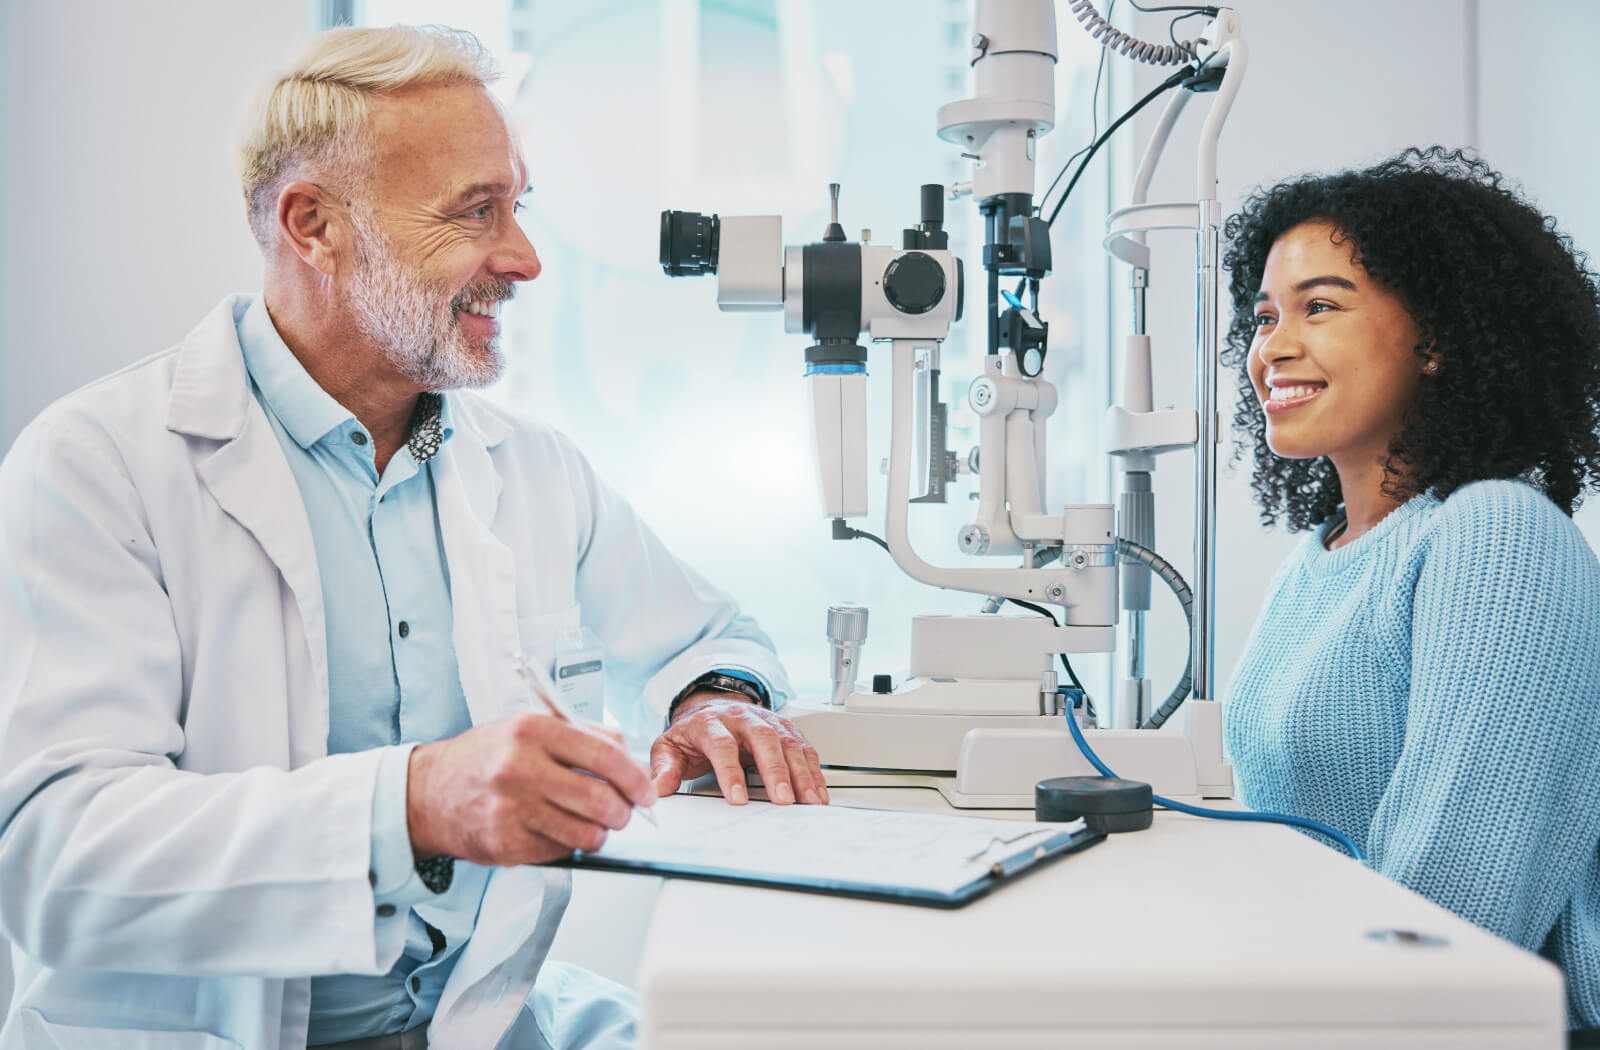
<point>306,411</point>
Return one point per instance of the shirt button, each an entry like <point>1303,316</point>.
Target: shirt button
<point>416,984</point>
<point>404,628</point>
<point>385,911</point>
<point>358,437</point>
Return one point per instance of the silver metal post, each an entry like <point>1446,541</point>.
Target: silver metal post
<point>1141,280</point>
<point>1205,486</point>
<point>1138,524</point>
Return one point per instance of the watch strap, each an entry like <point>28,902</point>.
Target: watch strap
<point>718,682</point>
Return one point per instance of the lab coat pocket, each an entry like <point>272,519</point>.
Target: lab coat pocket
<point>540,634</point>
<point>38,1033</point>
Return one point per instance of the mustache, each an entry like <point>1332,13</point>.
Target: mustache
<point>491,290</point>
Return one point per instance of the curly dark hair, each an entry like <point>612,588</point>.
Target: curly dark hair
<point>1504,299</point>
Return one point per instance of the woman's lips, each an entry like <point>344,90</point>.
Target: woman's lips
<point>1276,405</point>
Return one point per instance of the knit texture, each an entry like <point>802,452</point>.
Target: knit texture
<point>1432,690</point>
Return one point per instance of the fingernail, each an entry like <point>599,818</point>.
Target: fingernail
<point>810,797</point>
<point>785,792</point>
<point>739,796</point>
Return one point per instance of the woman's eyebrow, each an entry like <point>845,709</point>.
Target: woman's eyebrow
<point>1313,282</point>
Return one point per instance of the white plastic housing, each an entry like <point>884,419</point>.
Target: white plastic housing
<point>839,434</point>
<point>1013,94</point>
<point>879,318</point>
<point>996,647</point>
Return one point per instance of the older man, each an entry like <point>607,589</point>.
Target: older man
<point>270,771</point>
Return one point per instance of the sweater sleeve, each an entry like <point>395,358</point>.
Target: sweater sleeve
<point>1490,811</point>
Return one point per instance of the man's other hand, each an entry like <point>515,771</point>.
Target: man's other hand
<point>714,732</point>
<point>524,790</point>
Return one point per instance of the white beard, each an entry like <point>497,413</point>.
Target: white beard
<point>412,322</point>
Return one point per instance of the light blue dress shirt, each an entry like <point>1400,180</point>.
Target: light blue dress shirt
<point>392,673</point>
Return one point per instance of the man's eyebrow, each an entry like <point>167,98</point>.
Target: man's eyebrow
<point>1314,282</point>
<point>484,189</point>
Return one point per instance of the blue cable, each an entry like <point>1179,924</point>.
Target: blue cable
<point>1219,814</point>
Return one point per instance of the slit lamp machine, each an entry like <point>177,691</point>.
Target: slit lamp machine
<point>980,716</point>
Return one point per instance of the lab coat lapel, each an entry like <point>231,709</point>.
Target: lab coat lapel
<point>251,481</point>
<point>482,568</point>
<point>522,906</point>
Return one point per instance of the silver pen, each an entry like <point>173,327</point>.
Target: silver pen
<point>545,692</point>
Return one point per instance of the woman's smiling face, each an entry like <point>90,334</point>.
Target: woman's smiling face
<point>1333,360</point>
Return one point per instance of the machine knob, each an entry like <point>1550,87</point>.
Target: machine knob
<point>847,623</point>
<point>914,283</point>
<point>983,395</point>
<point>882,683</point>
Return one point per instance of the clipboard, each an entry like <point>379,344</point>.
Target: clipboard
<point>935,860</point>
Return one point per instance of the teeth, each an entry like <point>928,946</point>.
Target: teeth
<point>483,307</point>
<point>1289,393</point>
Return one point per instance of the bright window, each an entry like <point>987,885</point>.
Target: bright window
<point>699,417</point>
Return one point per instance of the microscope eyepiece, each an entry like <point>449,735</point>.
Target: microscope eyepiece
<point>689,243</point>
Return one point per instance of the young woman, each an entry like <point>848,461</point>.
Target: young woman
<point>1419,369</point>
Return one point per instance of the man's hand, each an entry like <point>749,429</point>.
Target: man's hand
<point>713,731</point>
<point>512,792</point>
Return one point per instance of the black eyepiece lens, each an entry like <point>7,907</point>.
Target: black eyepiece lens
<point>689,243</point>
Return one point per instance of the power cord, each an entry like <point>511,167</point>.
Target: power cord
<point>1088,152</point>
<point>842,531</point>
<point>1193,9</point>
<point>1156,92</point>
<point>1066,665</point>
<point>1094,110</point>
<point>1218,814</point>
<point>1128,45</point>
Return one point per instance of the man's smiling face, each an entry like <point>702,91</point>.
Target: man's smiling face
<point>437,245</point>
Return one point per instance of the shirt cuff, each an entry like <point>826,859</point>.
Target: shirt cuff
<point>394,867</point>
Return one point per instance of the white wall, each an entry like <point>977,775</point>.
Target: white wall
<point>120,215</point>
<point>1536,121</point>
<point>122,221</point>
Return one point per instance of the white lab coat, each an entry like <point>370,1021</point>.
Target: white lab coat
<point>178,851</point>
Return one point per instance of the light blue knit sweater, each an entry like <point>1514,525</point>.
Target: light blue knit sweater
<point>1432,690</point>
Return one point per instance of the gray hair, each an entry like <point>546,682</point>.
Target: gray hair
<point>313,120</point>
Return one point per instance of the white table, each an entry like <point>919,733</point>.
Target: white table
<point>1193,934</point>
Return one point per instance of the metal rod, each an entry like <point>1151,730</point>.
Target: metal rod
<point>1205,549</point>
<point>1140,279</point>
<point>991,226</point>
<point>1135,641</point>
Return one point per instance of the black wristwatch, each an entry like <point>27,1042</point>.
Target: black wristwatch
<point>717,682</point>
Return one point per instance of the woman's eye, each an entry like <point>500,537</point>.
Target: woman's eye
<point>1262,320</point>
<point>1317,307</point>
<point>482,211</point>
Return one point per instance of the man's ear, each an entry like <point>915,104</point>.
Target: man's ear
<point>315,226</point>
